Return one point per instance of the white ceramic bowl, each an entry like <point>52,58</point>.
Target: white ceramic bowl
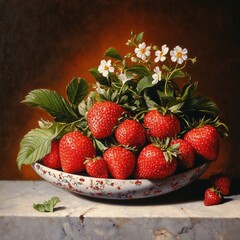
<point>115,188</point>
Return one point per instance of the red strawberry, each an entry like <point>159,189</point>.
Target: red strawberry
<point>120,162</point>
<point>74,148</point>
<point>205,141</point>
<point>186,156</point>
<point>97,167</point>
<point>130,133</point>
<point>152,163</point>
<point>212,197</point>
<point>161,126</point>
<point>222,182</point>
<point>52,160</point>
<point>103,117</point>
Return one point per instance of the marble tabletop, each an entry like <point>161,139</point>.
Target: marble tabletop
<point>177,215</point>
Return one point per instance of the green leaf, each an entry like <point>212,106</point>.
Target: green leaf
<point>37,143</point>
<point>149,102</point>
<point>139,70</point>
<point>115,96</point>
<point>99,145</point>
<point>52,102</point>
<point>139,37</point>
<point>200,104</point>
<point>144,83</point>
<point>166,68</point>
<point>189,90</point>
<point>47,206</point>
<point>77,90</point>
<point>178,74</point>
<point>112,53</point>
<point>99,77</point>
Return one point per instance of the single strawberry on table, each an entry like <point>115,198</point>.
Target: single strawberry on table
<point>205,141</point>
<point>186,155</point>
<point>130,133</point>
<point>222,182</point>
<point>160,125</point>
<point>52,160</point>
<point>212,197</point>
<point>120,162</point>
<point>103,117</point>
<point>155,162</point>
<point>96,167</point>
<point>74,148</point>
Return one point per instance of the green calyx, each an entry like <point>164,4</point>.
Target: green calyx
<point>169,151</point>
<point>220,126</point>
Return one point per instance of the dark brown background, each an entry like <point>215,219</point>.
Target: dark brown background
<point>45,43</point>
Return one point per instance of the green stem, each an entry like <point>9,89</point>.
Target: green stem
<point>172,72</point>
<point>138,114</point>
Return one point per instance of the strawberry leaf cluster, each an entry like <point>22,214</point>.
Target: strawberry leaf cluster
<point>140,107</point>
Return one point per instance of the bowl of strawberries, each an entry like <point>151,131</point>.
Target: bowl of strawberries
<point>141,131</point>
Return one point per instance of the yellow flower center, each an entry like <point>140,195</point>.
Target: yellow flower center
<point>143,50</point>
<point>106,68</point>
<point>179,54</point>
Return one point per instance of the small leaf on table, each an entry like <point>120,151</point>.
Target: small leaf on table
<point>47,206</point>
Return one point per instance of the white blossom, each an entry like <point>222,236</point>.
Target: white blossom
<point>178,54</point>
<point>123,77</point>
<point>133,59</point>
<point>105,67</point>
<point>160,55</point>
<point>157,75</point>
<point>142,51</point>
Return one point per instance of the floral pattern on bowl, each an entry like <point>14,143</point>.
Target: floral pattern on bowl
<point>115,188</point>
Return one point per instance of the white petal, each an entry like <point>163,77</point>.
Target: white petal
<point>105,73</point>
<point>156,69</point>
<point>111,69</point>
<point>172,53</point>
<point>136,50</point>
<point>178,49</point>
<point>139,54</point>
<point>147,53</point>
<point>184,57</point>
<point>157,53</point>
<point>143,57</point>
<point>180,61</point>
<point>103,62</point>
<point>173,58</point>
<point>109,63</point>
<point>165,50</point>
<point>142,45</point>
<point>163,58</point>
<point>156,59</point>
<point>184,51</point>
<point>100,68</point>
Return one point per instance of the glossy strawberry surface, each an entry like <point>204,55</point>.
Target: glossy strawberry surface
<point>186,156</point>
<point>97,167</point>
<point>120,162</point>
<point>152,164</point>
<point>103,117</point>
<point>161,126</point>
<point>205,141</point>
<point>130,133</point>
<point>74,148</point>
<point>52,160</point>
<point>212,197</point>
<point>222,182</point>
